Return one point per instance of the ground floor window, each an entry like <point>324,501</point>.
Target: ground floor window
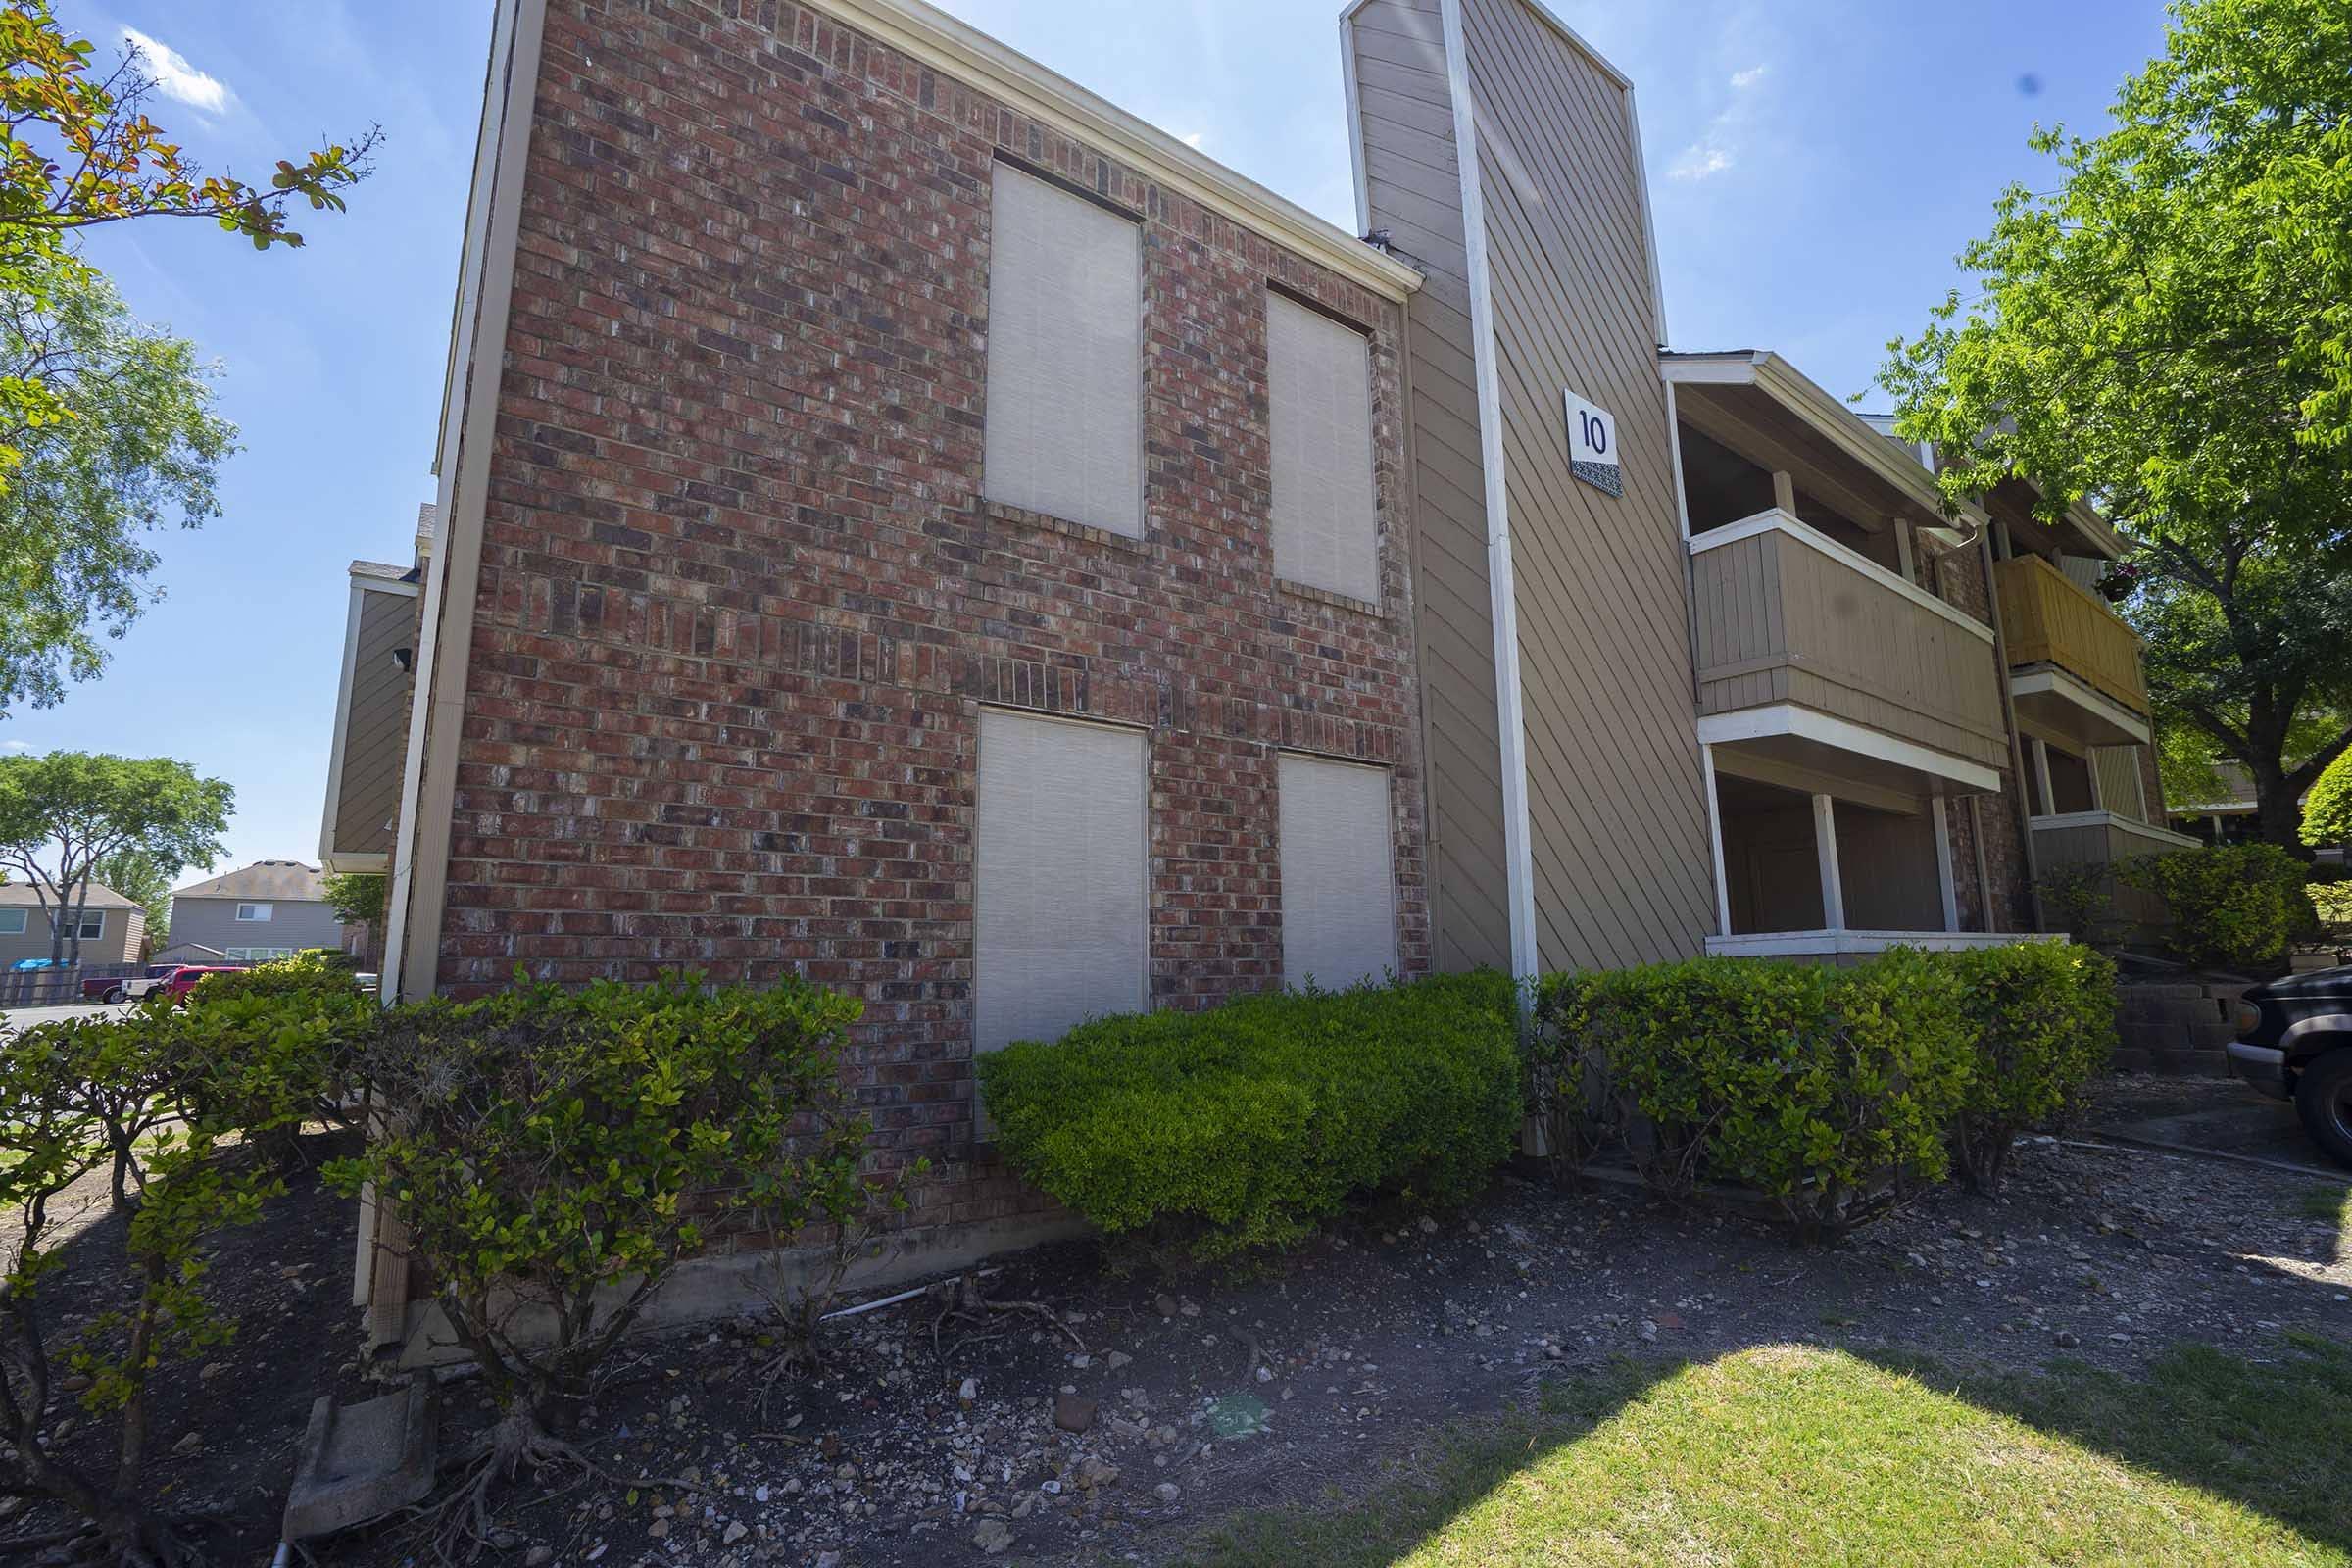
<point>256,955</point>
<point>1061,909</point>
<point>1339,908</point>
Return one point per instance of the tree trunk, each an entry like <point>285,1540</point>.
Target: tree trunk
<point>2278,814</point>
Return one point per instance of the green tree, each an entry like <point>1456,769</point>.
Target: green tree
<point>139,456</point>
<point>77,150</point>
<point>2168,331</point>
<point>134,874</point>
<point>65,813</point>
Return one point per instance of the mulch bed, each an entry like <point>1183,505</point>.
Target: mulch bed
<point>926,1437</point>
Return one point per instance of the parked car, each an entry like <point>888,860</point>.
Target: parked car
<point>2294,1040</point>
<point>128,987</point>
<point>184,982</point>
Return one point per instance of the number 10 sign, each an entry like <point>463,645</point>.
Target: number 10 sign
<point>1592,446</point>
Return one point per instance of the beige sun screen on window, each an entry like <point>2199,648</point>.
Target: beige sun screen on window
<point>1064,420</point>
<point>1058,877</point>
<point>1326,523</point>
<point>1338,905</point>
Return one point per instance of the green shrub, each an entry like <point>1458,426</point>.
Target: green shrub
<point>2333,903</point>
<point>1199,1136</point>
<point>2042,1016</point>
<point>1830,1091</point>
<point>2232,905</point>
<point>2327,808</point>
<point>270,1047</point>
<point>567,1149</point>
<point>2080,900</point>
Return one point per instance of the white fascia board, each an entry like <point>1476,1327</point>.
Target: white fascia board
<point>1711,369</point>
<point>1805,723</point>
<point>1774,521</point>
<point>937,39</point>
<point>1519,864</point>
<point>2059,683</point>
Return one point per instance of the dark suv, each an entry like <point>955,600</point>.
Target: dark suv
<point>2294,1040</point>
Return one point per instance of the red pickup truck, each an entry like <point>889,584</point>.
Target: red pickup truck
<point>177,978</point>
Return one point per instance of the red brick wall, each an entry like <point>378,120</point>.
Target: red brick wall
<point>741,596</point>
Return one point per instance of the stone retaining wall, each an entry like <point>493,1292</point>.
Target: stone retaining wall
<point>2179,1027</point>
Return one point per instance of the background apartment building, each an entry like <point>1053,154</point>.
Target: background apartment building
<point>908,523</point>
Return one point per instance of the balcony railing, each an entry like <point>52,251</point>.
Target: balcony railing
<point>2047,619</point>
<point>1787,616</point>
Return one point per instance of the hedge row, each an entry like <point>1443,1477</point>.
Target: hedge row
<point>1832,1092</point>
<point>1198,1135</point>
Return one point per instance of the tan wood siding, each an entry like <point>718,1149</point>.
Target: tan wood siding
<point>1413,179</point>
<point>1779,621</point>
<point>1617,809</point>
<point>376,728</point>
<point>2096,844</point>
<point>2118,770</point>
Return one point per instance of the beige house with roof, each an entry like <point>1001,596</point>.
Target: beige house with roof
<point>113,927</point>
<point>269,909</point>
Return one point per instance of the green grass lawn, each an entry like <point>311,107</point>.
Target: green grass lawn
<point>1801,1455</point>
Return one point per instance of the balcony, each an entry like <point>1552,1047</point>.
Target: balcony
<point>2074,664</point>
<point>1813,658</point>
<point>1841,707</point>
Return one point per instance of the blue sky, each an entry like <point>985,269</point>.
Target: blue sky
<point>1814,167</point>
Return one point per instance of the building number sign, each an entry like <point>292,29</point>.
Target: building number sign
<point>1592,446</point>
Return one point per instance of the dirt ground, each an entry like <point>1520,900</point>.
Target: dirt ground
<point>922,1440</point>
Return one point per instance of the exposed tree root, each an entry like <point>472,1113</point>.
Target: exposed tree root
<point>461,1524</point>
<point>966,1304</point>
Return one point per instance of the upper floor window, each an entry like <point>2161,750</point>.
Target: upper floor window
<point>1064,423</point>
<point>12,922</point>
<point>1325,521</point>
<point>256,911</point>
<point>93,924</point>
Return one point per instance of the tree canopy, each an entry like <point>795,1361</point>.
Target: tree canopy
<point>2168,333</point>
<point>65,813</point>
<point>140,454</point>
<point>77,150</point>
<point>2328,815</point>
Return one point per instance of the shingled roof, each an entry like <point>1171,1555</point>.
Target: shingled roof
<point>290,880</point>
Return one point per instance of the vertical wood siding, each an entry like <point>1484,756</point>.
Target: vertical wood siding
<point>375,727</point>
<point>1414,183</point>
<point>1779,621</point>
<point>1618,816</point>
<point>2049,620</point>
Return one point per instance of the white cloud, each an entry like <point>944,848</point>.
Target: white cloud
<point>1718,149</point>
<point>14,746</point>
<point>178,79</point>
<point>1701,160</point>
<point>1192,142</point>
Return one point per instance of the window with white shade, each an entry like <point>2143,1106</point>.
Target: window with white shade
<point>1339,905</point>
<point>1060,872</point>
<point>92,925</point>
<point>1064,423</point>
<point>1326,519</point>
<point>256,911</point>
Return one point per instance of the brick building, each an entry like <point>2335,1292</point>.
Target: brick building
<point>908,523</point>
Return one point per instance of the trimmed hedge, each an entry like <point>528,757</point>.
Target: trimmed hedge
<point>1833,1091</point>
<point>1203,1135</point>
<point>2042,1015</point>
<point>1828,1090</point>
<point>2232,905</point>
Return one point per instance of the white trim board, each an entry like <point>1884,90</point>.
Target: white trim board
<point>1772,519</point>
<point>2145,830</point>
<point>2060,683</point>
<point>1518,847</point>
<point>1805,723</point>
<point>939,40</point>
<point>1809,944</point>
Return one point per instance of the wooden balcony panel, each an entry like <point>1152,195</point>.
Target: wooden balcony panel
<point>2047,619</point>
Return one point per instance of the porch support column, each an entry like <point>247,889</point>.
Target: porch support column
<point>1723,884</point>
<point>1784,491</point>
<point>1825,840</point>
<point>1943,863</point>
<point>2042,775</point>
